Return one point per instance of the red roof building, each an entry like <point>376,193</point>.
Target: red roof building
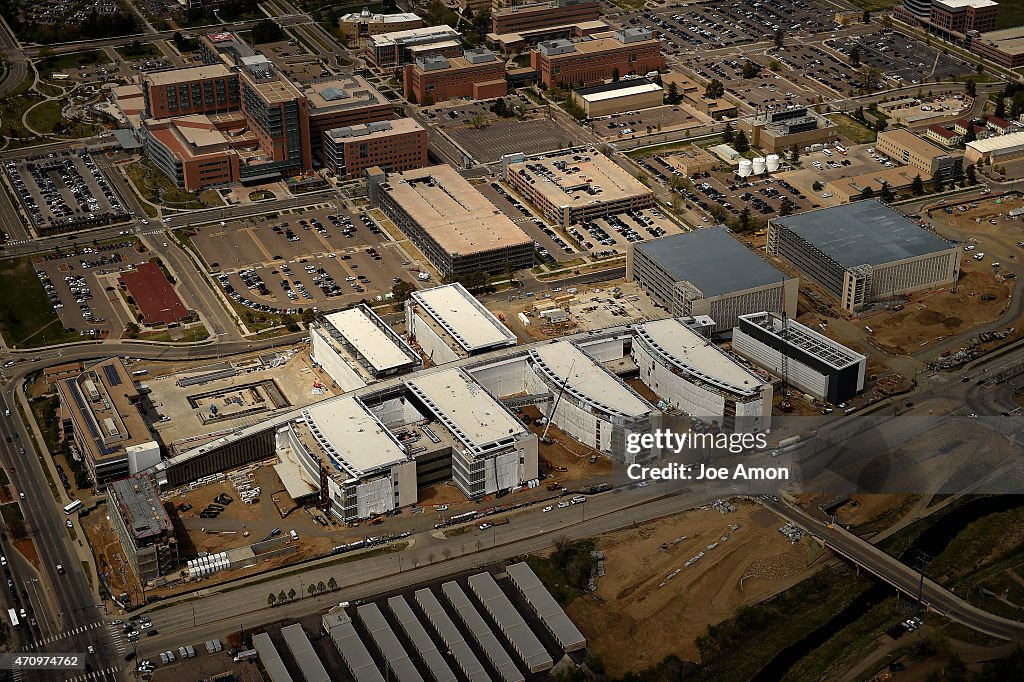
<point>154,295</point>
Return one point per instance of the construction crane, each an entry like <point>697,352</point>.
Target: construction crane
<point>784,333</point>
<point>554,406</point>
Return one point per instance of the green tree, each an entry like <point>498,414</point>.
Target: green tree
<point>742,144</point>
<point>866,17</point>
<point>751,69</point>
<point>1001,105</point>
<point>855,57</point>
<point>868,193</point>
<point>672,94</point>
<point>266,31</point>
<point>292,593</point>
<point>785,206</point>
<point>794,154</point>
<point>131,330</point>
<point>729,134</point>
<point>970,135</point>
<point>779,37</point>
<point>282,595</point>
<point>971,174</point>
<point>885,194</point>
<point>332,583</point>
<point>971,88</point>
<point>917,186</point>
<point>321,587</point>
<point>271,599</point>
<point>714,89</point>
<point>401,290</point>
<point>817,186</point>
<point>745,220</point>
<point>311,589</point>
<point>308,316</point>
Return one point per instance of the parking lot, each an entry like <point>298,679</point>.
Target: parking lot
<point>736,23</point>
<point>550,246</point>
<point>751,81</point>
<point>902,60</point>
<point>82,286</point>
<point>325,260</point>
<point>64,192</point>
<point>510,135</point>
<point>648,121</point>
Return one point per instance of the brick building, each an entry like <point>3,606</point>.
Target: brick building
<point>522,18</point>
<point>395,146</point>
<point>207,89</point>
<point>362,24</point>
<point>589,62</point>
<point>478,74</point>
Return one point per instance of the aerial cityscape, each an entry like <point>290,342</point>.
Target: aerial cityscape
<point>511,340</point>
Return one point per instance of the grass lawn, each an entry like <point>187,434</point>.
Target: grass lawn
<point>11,513</point>
<point>63,62</point>
<point>14,106</point>
<point>27,318</point>
<point>1011,14</point>
<point>143,50</point>
<point>852,129</point>
<point>4,481</point>
<point>630,4</point>
<point>157,188</point>
<point>554,573</point>
<point>669,147</point>
<point>45,410</point>
<point>875,5</point>
<point>45,116</point>
<point>190,335</point>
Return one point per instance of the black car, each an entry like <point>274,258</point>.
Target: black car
<point>129,656</point>
<point>152,633</point>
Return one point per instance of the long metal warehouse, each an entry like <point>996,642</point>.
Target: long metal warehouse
<point>519,634</point>
<point>482,632</point>
<point>450,635</point>
<point>352,650</point>
<point>391,650</point>
<point>414,630</point>
<point>550,613</point>
<point>302,651</point>
<point>270,659</point>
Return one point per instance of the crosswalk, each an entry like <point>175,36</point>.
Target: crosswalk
<point>69,633</point>
<point>95,675</point>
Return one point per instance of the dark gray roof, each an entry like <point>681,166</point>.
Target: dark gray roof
<point>139,505</point>
<point>862,233</point>
<point>712,260</point>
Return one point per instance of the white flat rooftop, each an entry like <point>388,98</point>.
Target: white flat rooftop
<point>464,318</point>
<point>587,380</point>
<point>465,407</point>
<point>354,439</point>
<point>369,339</point>
<point>694,354</point>
<point>622,92</point>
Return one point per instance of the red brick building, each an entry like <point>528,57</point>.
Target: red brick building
<point>479,74</point>
<point>208,89</point>
<point>395,146</point>
<point>622,53</point>
<point>542,15</point>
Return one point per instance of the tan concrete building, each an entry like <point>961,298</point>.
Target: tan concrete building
<point>853,188</point>
<point>574,185</point>
<point>614,98</point>
<point>363,24</point>
<point>777,131</point>
<point>692,160</point>
<point>998,149</point>
<point>903,146</point>
<point>456,227</point>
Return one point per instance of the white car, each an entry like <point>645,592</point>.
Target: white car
<point>547,508</point>
<point>144,221</point>
<point>116,621</point>
<point>563,505</point>
<point>69,524</point>
<point>145,626</point>
<point>441,507</point>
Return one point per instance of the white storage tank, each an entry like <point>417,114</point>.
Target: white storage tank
<point>759,165</point>
<point>745,168</point>
<point>772,162</point>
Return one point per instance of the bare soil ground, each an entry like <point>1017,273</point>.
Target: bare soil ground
<point>110,556</point>
<point>638,615</point>
<point>28,550</point>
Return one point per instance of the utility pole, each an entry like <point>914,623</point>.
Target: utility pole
<point>923,559</point>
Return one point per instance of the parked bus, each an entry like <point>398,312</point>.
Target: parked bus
<point>73,507</point>
<point>14,618</point>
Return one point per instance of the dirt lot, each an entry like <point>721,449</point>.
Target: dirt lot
<point>204,666</point>
<point>632,622</point>
<point>110,556</point>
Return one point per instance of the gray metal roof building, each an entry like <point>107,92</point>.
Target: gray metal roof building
<point>302,651</point>
<point>419,638</point>
<point>450,635</point>
<point>270,659</point>
<point>862,233</point>
<point>482,633</point>
<point>511,622</point>
<point>863,252</point>
<point>550,613</point>
<point>709,272</point>
<point>353,651</point>
<point>395,657</point>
